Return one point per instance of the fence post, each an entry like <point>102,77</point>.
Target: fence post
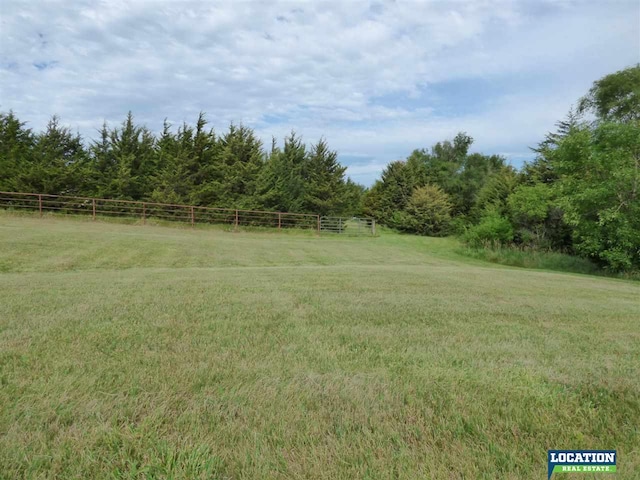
<point>193,217</point>
<point>318,224</point>
<point>144,213</point>
<point>236,225</point>
<point>279,220</point>
<point>40,204</point>
<point>93,202</point>
<point>373,227</point>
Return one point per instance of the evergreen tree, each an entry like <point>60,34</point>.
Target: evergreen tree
<point>494,194</point>
<point>477,170</point>
<point>54,167</point>
<point>242,159</point>
<point>134,157</point>
<point>171,184</point>
<point>16,145</point>
<point>103,164</point>
<point>324,181</point>
<point>352,201</point>
<point>540,170</point>
<point>391,194</point>
<point>281,184</point>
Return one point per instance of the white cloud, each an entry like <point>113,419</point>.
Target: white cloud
<point>317,66</point>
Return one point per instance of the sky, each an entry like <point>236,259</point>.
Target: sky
<point>376,79</point>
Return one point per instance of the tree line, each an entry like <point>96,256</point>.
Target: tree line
<point>192,165</point>
<point>580,195</point>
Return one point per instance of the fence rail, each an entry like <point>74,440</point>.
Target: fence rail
<point>190,214</point>
<point>144,211</point>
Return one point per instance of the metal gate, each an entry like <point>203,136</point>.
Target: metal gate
<point>348,225</point>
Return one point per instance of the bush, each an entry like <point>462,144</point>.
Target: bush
<point>493,230</point>
<point>401,220</point>
<point>459,225</point>
<point>430,210</point>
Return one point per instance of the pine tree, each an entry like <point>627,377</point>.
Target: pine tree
<point>540,169</point>
<point>242,159</point>
<point>103,163</point>
<point>324,181</point>
<point>133,150</point>
<point>16,144</point>
<point>57,154</point>
<point>171,184</point>
<point>282,181</point>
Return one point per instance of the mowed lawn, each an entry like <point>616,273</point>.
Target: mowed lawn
<point>157,352</point>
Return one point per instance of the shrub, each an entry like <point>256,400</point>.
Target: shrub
<point>401,220</point>
<point>430,210</point>
<point>493,230</point>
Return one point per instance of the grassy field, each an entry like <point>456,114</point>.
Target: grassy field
<point>156,352</point>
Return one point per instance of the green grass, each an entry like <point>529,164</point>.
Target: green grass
<point>154,352</point>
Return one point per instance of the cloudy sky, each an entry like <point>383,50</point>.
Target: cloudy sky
<point>377,79</point>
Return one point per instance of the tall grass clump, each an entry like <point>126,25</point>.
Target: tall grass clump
<point>527,257</point>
